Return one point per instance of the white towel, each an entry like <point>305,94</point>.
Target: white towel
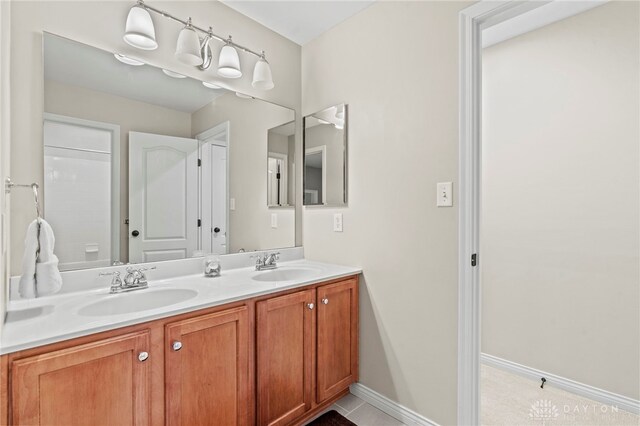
<point>40,274</point>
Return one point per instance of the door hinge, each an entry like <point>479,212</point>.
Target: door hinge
<point>199,223</point>
<point>199,162</point>
<point>474,259</point>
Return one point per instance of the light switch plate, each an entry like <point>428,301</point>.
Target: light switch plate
<point>274,220</point>
<point>337,222</point>
<point>232,203</point>
<point>444,191</point>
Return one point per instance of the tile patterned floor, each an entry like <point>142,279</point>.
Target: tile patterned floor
<point>362,413</point>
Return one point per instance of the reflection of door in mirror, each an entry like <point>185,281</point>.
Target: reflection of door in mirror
<point>277,179</point>
<point>163,171</point>
<point>82,178</point>
<point>315,175</point>
<point>214,145</point>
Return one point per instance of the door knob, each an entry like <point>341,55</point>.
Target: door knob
<point>176,346</point>
<point>135,233</point>
<point>325,301</point>
<point>142,356</point>
<point>216,229</point>
<point>310,305</point>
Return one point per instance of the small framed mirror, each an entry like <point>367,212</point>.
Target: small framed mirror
<point>325,157</point>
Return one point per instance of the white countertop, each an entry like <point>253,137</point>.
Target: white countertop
<point>37,322</point>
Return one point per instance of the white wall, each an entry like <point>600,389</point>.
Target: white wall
<point>249,121</point>
<point>130,115</point>
<point>396,65</point>
<point>101,24</point>
<point>561,177</point>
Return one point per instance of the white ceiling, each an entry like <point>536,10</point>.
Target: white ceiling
<point>299,21</point>
<point>70,62</point>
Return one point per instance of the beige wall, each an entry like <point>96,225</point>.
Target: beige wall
<point>249,121</point>
<point>130,115</point>
<point>396,65</point>
<point>560,233</point>
<point>101,24</point>
<point>5,149</point>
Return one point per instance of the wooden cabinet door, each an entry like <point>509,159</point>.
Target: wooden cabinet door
<point>207,369</point>
<point>285,345</point>
<point>337,351</point>
<point>100,383</point>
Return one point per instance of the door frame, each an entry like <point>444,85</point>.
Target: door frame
<point>224,127</point>
<point>285,177</point>
<point>114,129</point>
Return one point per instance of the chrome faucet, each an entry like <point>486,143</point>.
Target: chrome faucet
<point>266,261</point>
<point>135,279</point>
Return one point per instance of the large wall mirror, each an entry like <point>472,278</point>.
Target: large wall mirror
<point>143,164</point>
<point>325,157</point>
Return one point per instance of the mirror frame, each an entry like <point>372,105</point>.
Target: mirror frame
<point>345,159</point>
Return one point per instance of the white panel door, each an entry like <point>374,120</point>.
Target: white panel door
<point>163,197</point>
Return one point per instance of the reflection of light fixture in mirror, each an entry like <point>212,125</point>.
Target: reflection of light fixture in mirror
<point>229,62</point>
<point>173,74</point>
<point>127,60</point>
<point>339,124</point>
<point>262,78</point>
<point>340,112</point>
<point>188,47</point>
<point>210,85</point>
<point>139,30</point>
<point>321,121</point>
<point>243,96</point>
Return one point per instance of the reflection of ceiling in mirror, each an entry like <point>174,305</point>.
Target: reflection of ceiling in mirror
<point>313,160</point>
<point>285,130</point>
<point>73,63</point>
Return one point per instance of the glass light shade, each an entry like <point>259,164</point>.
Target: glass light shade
<point>210,85</point>
<point>188,48</point>
<point>229,63</point>
<point>139,31</point>
<point>127,60</point>
<point>262,79</point>
<point>173,74</point>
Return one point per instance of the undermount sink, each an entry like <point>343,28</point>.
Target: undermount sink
<point>285,274</point>
<point>140,300</point>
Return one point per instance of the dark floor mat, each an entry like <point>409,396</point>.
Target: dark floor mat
<point>331,418</point>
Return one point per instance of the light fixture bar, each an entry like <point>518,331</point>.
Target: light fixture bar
<point>209,33</point>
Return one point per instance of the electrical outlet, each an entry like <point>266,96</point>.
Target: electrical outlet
<point>444,197</point>
<point>274,220</point>
<point>337,222</point>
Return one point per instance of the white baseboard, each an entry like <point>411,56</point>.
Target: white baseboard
<point>392,408</point>
<point>605,397</point>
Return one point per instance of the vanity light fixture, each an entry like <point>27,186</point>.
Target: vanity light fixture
<point>127,60</point>
<point>262,78</point>
<point>193,50</point>
<point>188,47</point>
<point>139,30</point>
<point>229,61</point>
<point>173,74</point>
<point>210,85</point>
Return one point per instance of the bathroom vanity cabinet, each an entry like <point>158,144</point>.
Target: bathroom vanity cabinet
<point>300,346</point>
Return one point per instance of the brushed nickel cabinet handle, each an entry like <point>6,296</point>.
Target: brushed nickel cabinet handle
<point>176,346</point>
<point>143,356</point>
